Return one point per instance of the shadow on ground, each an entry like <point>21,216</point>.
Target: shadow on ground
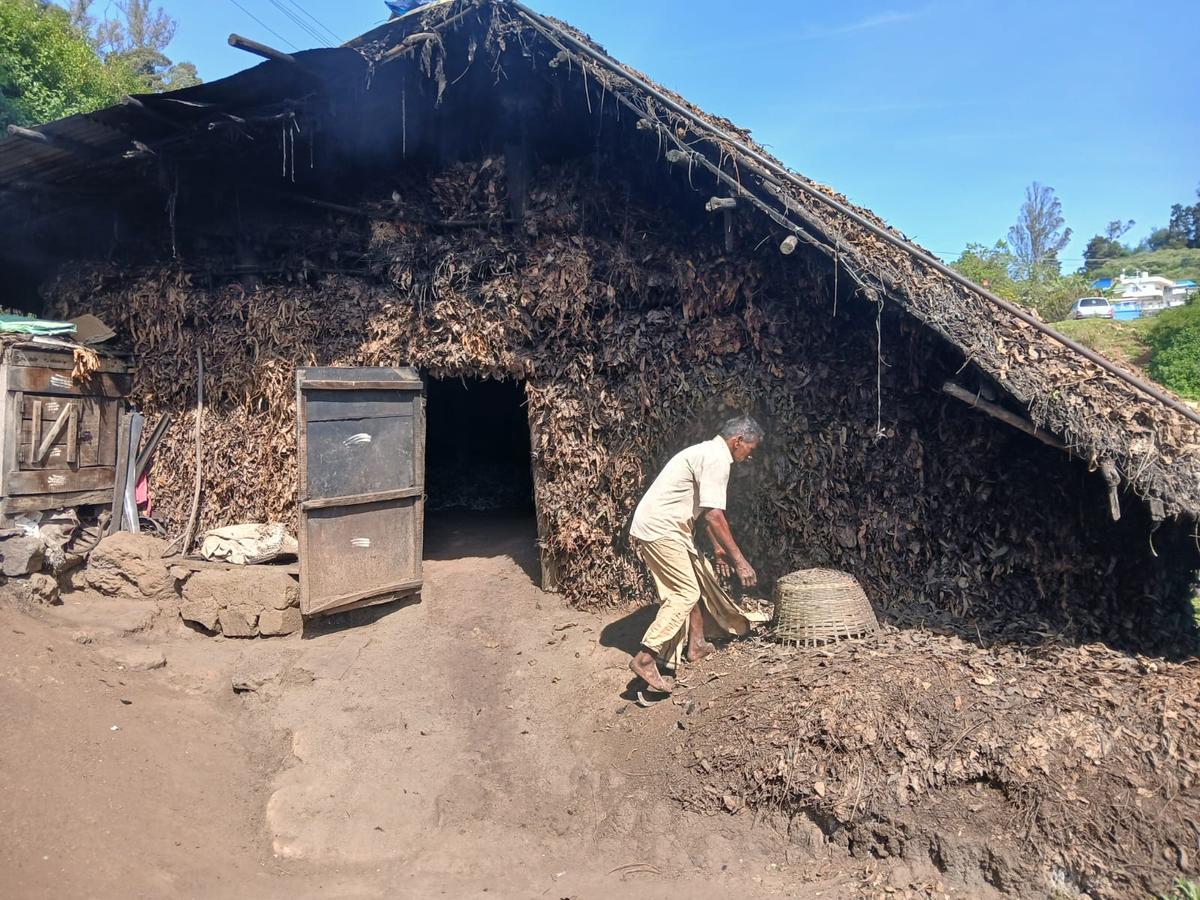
<point>625,633</point>
<point>355,618</point>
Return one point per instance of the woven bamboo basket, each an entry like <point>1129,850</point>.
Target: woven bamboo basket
<point>817,606</point>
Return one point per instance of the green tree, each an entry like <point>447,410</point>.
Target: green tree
<point>989,267</point>
<point>1160,239</point>
<point>48,69</point>
<point>1182,231</point>
<point>1175,264</point>
<point>1184,226</point>
<point>1038,236</point>
<point>1175,347</point>
<point>1052,297</point>
<point>137,37</point>
<point>1106,247</point>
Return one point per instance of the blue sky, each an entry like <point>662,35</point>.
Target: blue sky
<point>935,115</point>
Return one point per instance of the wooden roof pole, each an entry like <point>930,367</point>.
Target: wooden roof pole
<point>241,43</point>
<point>972,399</point>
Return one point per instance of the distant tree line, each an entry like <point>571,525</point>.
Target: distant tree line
<point>57,61</point>
<point>1182,233</point>
<point>136,37</point>
<point>1025,266</point>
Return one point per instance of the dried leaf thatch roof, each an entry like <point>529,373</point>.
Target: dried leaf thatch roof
<point>1102,414</point>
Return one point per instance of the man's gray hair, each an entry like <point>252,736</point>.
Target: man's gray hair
<point>744,427</point>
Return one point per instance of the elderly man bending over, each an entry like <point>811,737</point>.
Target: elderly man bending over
<point>692,486</point>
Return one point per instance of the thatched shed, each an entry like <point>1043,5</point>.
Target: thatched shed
<point>482,192</point>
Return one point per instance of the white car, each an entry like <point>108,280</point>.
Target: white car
<point>1091,308</point>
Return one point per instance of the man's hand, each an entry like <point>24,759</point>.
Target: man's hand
<point>724,569</point>
<point>745,573</point>
<point>726,549</point>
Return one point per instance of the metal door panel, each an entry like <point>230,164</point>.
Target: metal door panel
<point>357,456</point>
<point>359,552</point>
<point>362,483</point>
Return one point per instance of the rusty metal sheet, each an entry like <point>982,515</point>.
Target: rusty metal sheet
<point>362,480</point>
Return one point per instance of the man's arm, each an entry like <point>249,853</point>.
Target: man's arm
<point>718,530</point>
<point>723,568</point>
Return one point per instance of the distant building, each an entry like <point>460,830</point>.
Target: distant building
<point>1143,294</point>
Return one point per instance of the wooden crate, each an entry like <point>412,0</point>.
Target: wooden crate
<point>58,445</point>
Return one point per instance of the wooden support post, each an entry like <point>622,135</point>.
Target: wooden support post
<point>149,113</point>
<point>409,43</point>
<point>958,392</point>
<point>194,515</point>
<point>1113,480</point>
<point>788,245</point>
<point>241,43</point>
<point>676,156</point>
<point>550,571</point>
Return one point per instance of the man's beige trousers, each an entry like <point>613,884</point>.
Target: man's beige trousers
<point>683,578</point>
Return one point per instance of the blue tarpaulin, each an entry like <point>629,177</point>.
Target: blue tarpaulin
<point>1128,311</point>
<point>30,325</point>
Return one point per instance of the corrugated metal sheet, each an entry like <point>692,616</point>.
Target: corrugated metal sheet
<point>82,145</point>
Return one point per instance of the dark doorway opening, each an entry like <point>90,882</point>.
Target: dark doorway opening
<point>478,476</point>
<point>477,447</point>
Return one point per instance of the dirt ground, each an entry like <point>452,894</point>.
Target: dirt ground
<point>483,743</point>
<point>472,745</point>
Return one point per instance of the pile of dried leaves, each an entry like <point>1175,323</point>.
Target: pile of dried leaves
<point>636,334</point>
<point>1084,760</point>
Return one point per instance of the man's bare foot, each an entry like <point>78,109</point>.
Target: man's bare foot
<point>648,672</point>
<point>699,650</point>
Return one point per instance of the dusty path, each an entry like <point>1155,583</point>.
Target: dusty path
<point>114,784</point>
<point>474,741</point>
<point>472,745</point>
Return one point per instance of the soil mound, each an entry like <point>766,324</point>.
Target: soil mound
<point>1040,769</point>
